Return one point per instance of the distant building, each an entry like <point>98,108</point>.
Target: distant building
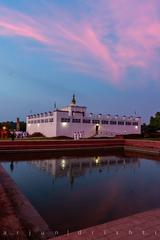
<point>74,121</point>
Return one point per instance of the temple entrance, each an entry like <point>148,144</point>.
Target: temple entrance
<point>97,129</point>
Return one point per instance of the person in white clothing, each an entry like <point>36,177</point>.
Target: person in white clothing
<point>75,136</point>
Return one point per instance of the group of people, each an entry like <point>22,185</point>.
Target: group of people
<point>78,135</point>
<point>18,135</point>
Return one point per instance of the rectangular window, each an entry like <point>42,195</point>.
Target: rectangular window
<point>104,122</point>
<point>46,120</point>
<point>113,122</point>
<point>120,123</point>
<point>65,119</point>
<point>42,120</point>
<point>51,120</point>
<point>95,121</point>
<point>128,123</point>
<point>86,120</point>
<point>74,120</point>
<point>135,123</point>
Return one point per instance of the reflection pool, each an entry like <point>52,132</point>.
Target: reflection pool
<point>72,193</point>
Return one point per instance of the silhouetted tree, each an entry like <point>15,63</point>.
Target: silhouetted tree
<point>154,124</point>
<point>12,125</point>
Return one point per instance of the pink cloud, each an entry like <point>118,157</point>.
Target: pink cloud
<point>13,23</point>
<point>104,42</point>
<point>21,30</point>
<point>137,26</point>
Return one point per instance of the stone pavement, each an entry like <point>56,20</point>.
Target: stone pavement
<point>18,218</point>
<point>9,222</point>
<point>136,227</point>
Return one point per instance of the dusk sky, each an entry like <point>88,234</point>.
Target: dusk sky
<point>107,52</point>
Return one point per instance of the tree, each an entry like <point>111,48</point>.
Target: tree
<point>12,125</point>
<point>155,122</point>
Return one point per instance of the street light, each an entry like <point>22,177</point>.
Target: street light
<point>4,128</point>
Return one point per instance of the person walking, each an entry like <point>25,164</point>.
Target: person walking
<point>12,136</point>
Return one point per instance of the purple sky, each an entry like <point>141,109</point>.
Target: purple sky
<point>107,52</point>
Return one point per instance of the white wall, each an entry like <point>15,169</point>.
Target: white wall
<point>57,128</point>
<point>47,129</point>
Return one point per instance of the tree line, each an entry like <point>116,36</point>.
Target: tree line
<point>153,126</point>
<point>11,126</point>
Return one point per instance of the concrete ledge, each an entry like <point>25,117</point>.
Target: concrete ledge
<point>68,149</point>
<point>19,213</point>
<point>142,144</point>
<point>148,151</point>
<point>70,145</point>
<point>140,226</point>
<point>55,145</point>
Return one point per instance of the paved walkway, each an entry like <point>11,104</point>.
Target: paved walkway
<point>136,227</point>
<point>9,222</point>
<point>18,218</point>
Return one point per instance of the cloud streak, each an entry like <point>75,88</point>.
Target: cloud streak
<point>106,40</point>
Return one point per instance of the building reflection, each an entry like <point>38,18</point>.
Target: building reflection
<point>73,168</point>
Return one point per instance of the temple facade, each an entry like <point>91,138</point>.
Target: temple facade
<point>74,121</point>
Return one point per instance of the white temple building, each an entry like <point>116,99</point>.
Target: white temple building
<point>74,120</point>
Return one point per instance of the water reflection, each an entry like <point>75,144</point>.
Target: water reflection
<point>73,168</point>
<point>78,192</point>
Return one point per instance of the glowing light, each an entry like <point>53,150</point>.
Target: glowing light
<point>97,160</point>
<point>97,126</point>
<point>64,124</point>
<point>38,124</point>
<point>29,125</point>
<point>136,127</point>
<point>4,127</point>
<point>63,163</point>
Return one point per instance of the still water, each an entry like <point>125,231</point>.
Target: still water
<point>72,193</point>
